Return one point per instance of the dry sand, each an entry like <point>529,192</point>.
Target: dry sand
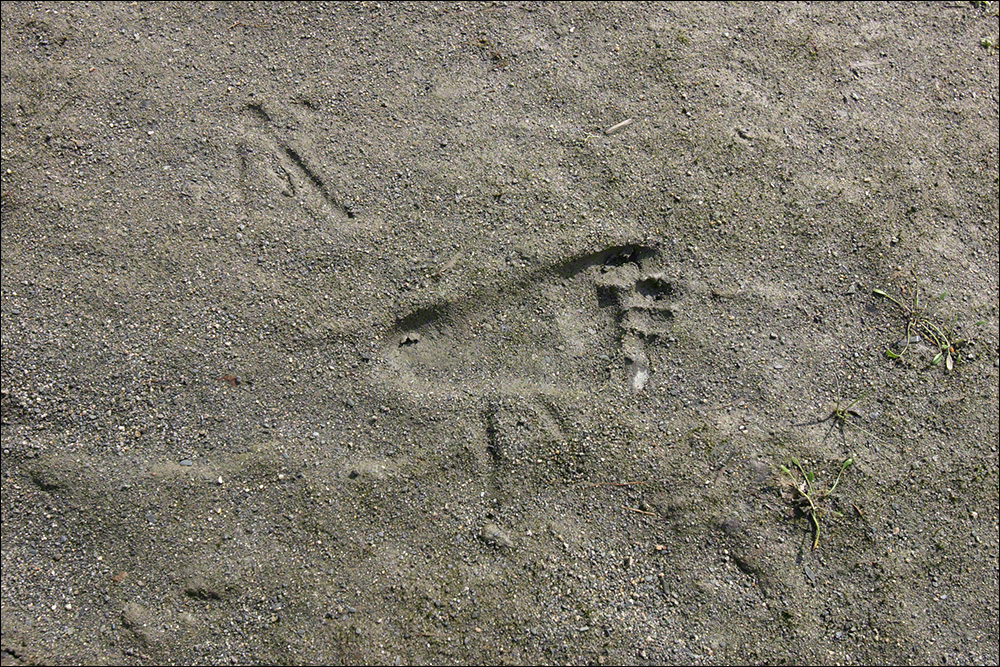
<point>370,333</point>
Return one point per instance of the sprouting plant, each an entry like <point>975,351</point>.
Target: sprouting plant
<point>919,327</point>
<point>810,499</point>
<point>986,6</point>
<point>842,416</point>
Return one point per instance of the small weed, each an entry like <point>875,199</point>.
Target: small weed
<point>841,416</point>
<point>919,327</point>
<point>986,6</point>
<point>808,48</point>
<point>807,497</point>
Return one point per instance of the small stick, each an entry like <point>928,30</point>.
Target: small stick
<point>619,126</point>
<point>450,264</point>
<point>638,511</point>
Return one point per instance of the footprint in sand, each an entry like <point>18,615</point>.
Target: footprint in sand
<point>564,329</point>
<point>523,354</point>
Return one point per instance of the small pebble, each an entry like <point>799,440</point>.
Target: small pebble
<point>495,536</point>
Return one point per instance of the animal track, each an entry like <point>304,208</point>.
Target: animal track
<point>557,330</point>
<point>286,161</point>
<point>518,352</point>
<point>531,434</point>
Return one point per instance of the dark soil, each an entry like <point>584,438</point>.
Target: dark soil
<point>353,333</point>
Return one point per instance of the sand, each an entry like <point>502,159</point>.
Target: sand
<point>480,333</point>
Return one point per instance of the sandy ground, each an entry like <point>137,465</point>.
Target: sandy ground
<point>373,333</point>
